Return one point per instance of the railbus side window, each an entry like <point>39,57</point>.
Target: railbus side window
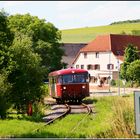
<point>50,80</point>
<point>59,79</point>
<point>54,80</point>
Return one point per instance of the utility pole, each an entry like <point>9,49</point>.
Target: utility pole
<point>124,81</point>
<point>109,78</point>
<point>118,78</point>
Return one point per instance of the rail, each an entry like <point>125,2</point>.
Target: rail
<point>89,112</point>
<point>88,108</point>
<point>60,116</point>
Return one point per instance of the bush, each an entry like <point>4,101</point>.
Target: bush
<point>119,82</point>
<point>116,82</point>
<point>113,82</point>
<point>38,112</point>
<point>45,89</point>
<point>136,85</point>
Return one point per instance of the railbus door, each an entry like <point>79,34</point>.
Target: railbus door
<point>52,85</point>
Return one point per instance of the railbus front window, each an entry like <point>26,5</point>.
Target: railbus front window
<point>80,78</point>
<point>75,78</point>
<point>67,79</point>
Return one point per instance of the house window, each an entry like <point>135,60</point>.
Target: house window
<point>110,66</point>
<point>97,67</point>
<point>118,52</point>
<point>85,55</point>
<point>77,66</point>
<point>82,66</point>
<point>97,54</point>
<point>89,67</point>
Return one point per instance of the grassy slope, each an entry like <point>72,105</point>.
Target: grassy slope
<point>84,35</point>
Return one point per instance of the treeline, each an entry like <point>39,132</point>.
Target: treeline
<point>126,21</point>
<point>29,50</point>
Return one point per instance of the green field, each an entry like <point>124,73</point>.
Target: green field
<point>85,35</point>
<point>113,118</point>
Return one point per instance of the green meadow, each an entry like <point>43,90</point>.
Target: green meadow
<point>87,34</point>
<point>113,117</point>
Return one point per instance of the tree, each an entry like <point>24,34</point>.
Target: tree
<point>133,71</point>
<point>45,37</point>
<point>4,95</point>
<point>6,38</point>
<point>27,74</point>
<point>123,33</point>
<point>135,32</point>
<point>123,69</point>
<point>131,54</point>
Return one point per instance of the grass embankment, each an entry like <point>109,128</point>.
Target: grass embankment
<point>87,34</point>
<point>122,121</point>
<point>114,117</point>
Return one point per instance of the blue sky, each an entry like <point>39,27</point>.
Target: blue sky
<point>76,14</point>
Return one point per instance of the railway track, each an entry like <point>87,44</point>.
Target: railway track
<point>50,118</point>
<point>88,108</point>
<point>60,111</point>
<point>88,113</point>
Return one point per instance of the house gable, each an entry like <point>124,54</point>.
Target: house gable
<point>112,42</point>
<point>71,50</point>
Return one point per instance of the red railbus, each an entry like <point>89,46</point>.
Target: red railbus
<point>69,85</point>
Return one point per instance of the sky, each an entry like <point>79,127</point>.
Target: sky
<point>76,14</point>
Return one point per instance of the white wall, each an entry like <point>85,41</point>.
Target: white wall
<point>104,59</point>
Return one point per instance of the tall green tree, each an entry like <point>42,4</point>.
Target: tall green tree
<point>27,74</point>
<point>45,37</point>
<point>5,88</point>
<point>6,38</point>
<point>131,54</point>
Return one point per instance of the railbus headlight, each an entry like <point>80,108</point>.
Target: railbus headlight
<point>83,86</point>
<point>64,87</point>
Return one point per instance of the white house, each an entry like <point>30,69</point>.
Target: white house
<point>102,57</point>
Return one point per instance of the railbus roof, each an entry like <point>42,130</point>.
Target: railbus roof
<point>67,71</point>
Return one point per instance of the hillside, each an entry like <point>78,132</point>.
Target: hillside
<point>84,35</point>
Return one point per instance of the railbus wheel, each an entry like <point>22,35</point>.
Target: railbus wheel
<point>58,101</point>
<point>79,101</point>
